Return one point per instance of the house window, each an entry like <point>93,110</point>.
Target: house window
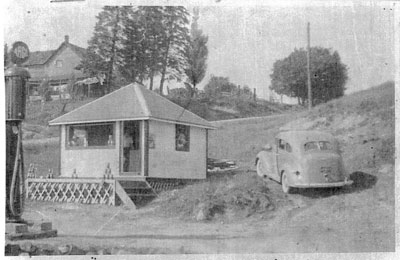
<point>182,138</point>
<point>91,135</point>
<point>59,63</point>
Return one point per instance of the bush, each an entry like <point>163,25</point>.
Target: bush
<point>242,195</point>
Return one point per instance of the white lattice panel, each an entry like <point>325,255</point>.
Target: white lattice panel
<point>88,191</point>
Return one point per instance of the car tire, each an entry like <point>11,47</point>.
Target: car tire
<point>258,168</point>
<point>285,185</point>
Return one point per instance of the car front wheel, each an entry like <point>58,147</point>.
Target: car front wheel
<point>285,185</point>
<point>259,169</point>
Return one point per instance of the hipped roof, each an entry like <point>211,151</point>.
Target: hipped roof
<point>132,102</point>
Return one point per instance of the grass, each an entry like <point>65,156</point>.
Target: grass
<point>51,109</point>
<point>368,143</point>
<point>44,156</point>
<point>239,195</point>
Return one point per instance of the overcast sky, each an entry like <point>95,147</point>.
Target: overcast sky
<point>244,40</point>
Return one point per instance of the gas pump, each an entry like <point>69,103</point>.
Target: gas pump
<point>15,84</point>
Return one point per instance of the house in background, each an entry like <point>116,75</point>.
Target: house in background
<point>56,67</point>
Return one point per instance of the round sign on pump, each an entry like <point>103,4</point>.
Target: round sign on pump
<point>19,53</point>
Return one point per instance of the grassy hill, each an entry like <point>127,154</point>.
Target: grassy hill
<point>364,124</point>
<point>38,115</point>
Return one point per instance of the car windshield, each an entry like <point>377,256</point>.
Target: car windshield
<point>318,145</point>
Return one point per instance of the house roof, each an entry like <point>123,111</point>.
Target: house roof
<point>132,102</point>
<point>38,58</point>
<point>42,57</point>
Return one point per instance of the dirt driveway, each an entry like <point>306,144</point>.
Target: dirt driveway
<point>348,220</point>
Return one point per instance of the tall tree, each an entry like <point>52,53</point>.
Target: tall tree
<point>103,52</point>
<point>175,38</point>
<point>196,54</point>
<point>143,37</point>
<point>328,75</point>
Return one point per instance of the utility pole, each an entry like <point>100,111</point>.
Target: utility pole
<point>308,68</point>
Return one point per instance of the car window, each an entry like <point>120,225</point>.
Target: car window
<point>320,145</point>
<point>281,144</point>
<point>288,148</point>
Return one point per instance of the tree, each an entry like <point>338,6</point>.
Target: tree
<point>196,54</point>
<point>141,46</point>
<point>103,52</point>
<point>328,75</point>
<point>217,85</point>
<point>174,39</point>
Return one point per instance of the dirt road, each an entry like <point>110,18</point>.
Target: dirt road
<point>319,221</point>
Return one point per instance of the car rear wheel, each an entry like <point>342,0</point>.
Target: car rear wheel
<point>285,185</point>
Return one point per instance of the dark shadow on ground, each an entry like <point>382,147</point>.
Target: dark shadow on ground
<point>142,201</point>
<point>361,181</point>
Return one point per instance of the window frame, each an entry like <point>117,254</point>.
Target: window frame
<point>59,63</point>
<point>187,130</point>
<point>283,146</point>
<point>94,147</point>
<point>318,145</point>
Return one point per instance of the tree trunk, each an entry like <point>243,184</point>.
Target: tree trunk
<point>151,80</point>
<point>164,69</point>
<point>113,47</point>
<point>193,91</point>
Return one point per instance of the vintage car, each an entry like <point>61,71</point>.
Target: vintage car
<point>303,159</point>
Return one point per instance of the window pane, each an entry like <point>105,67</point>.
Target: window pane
<point>325,145</point>
<point>310,146</point>
<point>321,145</point>
<point>182,138</point>
<point>288,148</point>
<point>91,135</point>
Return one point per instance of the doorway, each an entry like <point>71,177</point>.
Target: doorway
<point>131,148</point>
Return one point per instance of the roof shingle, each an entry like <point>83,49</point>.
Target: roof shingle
<point>132,102</point>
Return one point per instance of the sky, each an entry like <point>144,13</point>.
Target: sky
<point>244,39</point>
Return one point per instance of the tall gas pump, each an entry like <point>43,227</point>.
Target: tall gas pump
<point>15,84</point>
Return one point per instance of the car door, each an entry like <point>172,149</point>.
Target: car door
<point>279,157</point>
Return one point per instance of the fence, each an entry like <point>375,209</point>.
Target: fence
<point>87,191</point>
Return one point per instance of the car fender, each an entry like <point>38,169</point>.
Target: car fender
<point>290,169</point>
<point>268,163</point>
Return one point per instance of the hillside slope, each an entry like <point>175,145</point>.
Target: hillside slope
<point>364,124</point>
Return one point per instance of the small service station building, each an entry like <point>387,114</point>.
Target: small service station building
<point>134,132</point>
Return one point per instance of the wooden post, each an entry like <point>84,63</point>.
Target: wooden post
<point>308,68</point>
<point>146,147</point>
<point>254,94</point>
<point>206,152</point>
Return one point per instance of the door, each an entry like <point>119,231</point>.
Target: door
<point>131,148</point>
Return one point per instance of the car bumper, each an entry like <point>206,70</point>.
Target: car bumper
<point>323,185</point>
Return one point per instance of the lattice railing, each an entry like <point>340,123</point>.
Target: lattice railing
<point>88,191</point>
